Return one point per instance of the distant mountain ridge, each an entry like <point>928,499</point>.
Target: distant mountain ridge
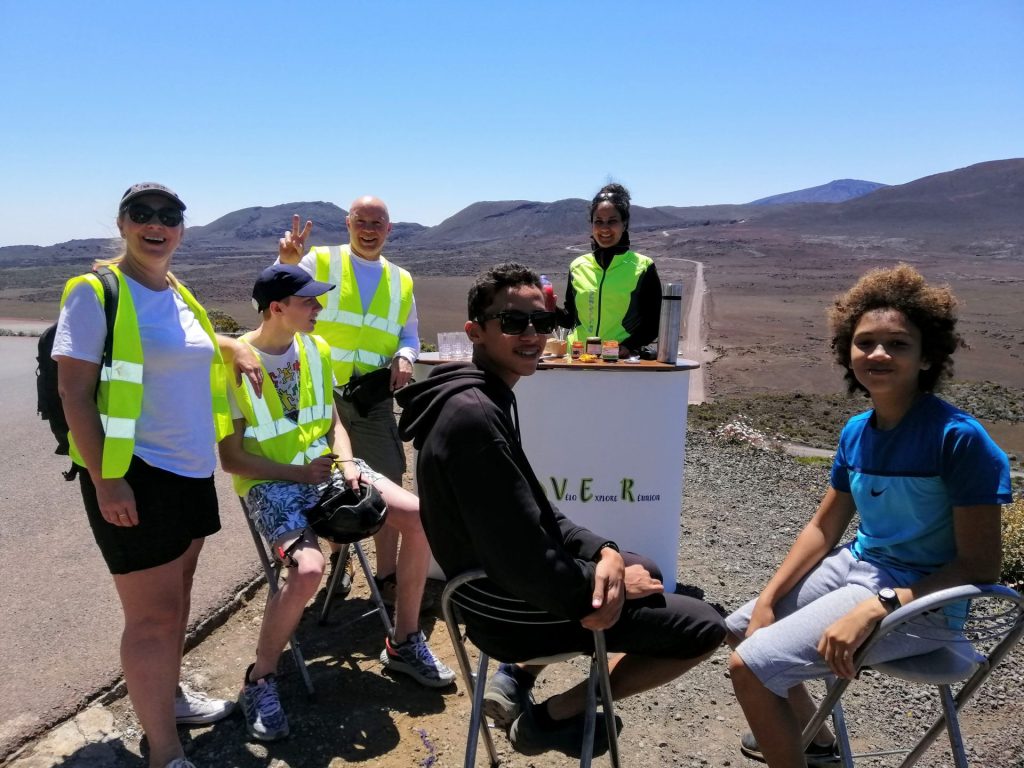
<point>838,191</point>
<point>981,200</point>
<point>986,199</point>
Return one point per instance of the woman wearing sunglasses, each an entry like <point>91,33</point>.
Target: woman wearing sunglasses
<point>613,292</point>
<point>145,413</point>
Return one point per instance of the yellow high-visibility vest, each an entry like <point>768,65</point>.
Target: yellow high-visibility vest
<point>269,432</point>
<point>360,340</point>
<point>602,295</point>
<point>119,396</point>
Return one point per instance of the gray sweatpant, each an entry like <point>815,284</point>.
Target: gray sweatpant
<point>785,653</point>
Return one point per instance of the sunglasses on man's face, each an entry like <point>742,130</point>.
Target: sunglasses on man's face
<point>141,213</point>
<point>514,322</point>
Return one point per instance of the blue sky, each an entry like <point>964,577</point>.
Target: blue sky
<point>434,106</point>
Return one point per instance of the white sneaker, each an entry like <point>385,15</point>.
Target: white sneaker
<point>195,708</point>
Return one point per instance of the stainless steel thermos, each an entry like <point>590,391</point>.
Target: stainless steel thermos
<point>668,327</point>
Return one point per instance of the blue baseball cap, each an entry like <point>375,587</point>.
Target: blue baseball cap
<point>283,280</point>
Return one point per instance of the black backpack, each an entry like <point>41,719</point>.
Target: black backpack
<point>47,397</point>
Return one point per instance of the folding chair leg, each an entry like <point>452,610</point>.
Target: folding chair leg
<point>607,705</point>
<point>336,573</point>
<point>842,735</point>
<point>956,742</point>
<point>827,707</point>
<point>589,716</point>
<point>477,723</point>
<point>272,573</point>
<point>381,609</point>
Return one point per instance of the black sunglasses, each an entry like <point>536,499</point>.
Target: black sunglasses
<point>140,213</point>
<point>514,322</point>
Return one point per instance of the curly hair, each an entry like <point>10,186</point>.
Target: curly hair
<point>931,308</point>
<point>487,285</point>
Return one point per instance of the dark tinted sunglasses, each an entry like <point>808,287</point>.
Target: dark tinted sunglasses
<point>140,213</point>
<point>514,322</point>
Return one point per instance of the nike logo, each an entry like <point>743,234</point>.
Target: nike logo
<point>877,493</point>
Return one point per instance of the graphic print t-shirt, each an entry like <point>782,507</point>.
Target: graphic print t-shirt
<point>284,372</point>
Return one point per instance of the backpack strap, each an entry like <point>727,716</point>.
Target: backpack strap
<point>111,287</point>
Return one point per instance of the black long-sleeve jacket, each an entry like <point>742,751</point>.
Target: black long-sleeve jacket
<point>481,504</point>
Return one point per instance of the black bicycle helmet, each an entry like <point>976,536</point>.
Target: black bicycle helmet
<point>343,515</point>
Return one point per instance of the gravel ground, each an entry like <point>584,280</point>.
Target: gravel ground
<point>741,511</point>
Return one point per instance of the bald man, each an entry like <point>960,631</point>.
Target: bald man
<point>370,321</point>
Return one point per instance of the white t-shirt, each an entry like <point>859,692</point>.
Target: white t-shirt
<point>284,373</point>
<point>175,429</point>
<point>367,274</point>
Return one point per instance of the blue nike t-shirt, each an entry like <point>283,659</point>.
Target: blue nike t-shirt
<point>905,482</point>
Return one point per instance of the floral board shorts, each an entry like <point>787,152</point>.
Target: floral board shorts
<point>278,508</point>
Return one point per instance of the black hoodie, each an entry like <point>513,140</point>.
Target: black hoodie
<point>481,504</point>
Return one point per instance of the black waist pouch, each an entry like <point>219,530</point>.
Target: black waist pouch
<point>367,390</point>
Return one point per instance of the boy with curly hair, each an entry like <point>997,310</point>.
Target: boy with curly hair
<point>928,484</point>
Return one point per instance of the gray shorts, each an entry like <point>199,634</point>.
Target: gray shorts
<point>279,508</point>
<point>785,653</point>
<point>375,437</point>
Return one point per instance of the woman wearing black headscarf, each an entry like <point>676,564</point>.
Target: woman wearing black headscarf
<point>613,292</point>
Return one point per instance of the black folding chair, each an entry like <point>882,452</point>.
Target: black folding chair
<point>469,593</point>
<point>994,625</point>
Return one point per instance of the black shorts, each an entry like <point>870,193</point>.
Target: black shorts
<point>173,512</point>
<point>666,626</point>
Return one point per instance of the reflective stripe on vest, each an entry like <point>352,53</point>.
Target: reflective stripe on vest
<point>120,392</point>
<point>603,296</point>
<point>269,432</point>
<point>360,340</point>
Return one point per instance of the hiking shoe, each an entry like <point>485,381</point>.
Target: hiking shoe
<point>264,718</point>
<point>344,585</point>
<point>388,588</point>
<point>528,738</point>
<point>414,658</point>
<point>195,708</point>
<point>180,762</point>
<point>816,754</point>
<point>505,699</point>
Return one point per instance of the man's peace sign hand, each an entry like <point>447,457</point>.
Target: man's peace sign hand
<point>292,247</point>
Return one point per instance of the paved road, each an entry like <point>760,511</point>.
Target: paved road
<point>694,343</point>
<point>61,619</point>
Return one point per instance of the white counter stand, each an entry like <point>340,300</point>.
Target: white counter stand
<point>608,443</point>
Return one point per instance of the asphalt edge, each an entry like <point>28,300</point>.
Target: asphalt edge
<point>204,627</point>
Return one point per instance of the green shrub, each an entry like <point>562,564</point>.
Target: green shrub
<point>814,461</point>
<point>1013,543</point>
<point>223,322</point>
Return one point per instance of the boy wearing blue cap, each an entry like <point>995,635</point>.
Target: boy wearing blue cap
<point>286,442</point>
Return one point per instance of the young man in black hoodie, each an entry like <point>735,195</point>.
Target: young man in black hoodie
<point>483,507</point>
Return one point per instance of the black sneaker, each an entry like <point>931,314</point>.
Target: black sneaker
<point>388,588</point>
<point>505,698</point>
<point>529,739</point>
<point>344,583</point>
<point>816,754</point>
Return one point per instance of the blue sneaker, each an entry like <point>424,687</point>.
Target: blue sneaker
<point>264,718</point>
<point>504,698</point>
